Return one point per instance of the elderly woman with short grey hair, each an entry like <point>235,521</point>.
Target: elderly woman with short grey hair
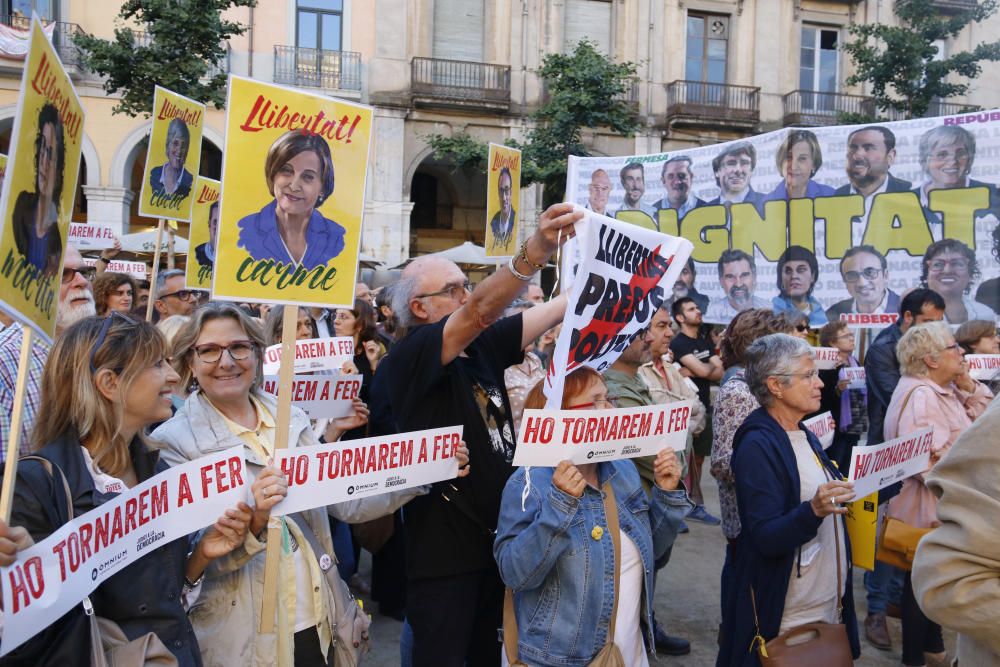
<point>935,391</point>
<point>791,562</point>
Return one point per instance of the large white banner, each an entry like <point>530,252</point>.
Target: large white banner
<point>772,216</point>
<point>877,466</point>
<point>315,354</point>
<point>91,235</point>
<point>618,276</point>
<point>334,472</point>
<point>321,396</point>
<point>588,436</point>
<point>983,366</point>
<point>57,573</point>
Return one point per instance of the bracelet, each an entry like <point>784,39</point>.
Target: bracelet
<point>523,254</point>
<point>517,274</point>
<point>104,259</point>
<point>194,584</point>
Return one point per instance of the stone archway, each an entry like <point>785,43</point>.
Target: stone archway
<point>449,206</point>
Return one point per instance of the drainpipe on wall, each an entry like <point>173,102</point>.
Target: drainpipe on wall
<point>250,48</point>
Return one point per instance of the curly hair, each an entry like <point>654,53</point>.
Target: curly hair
<point>107,284</point>
<point>746,327</point>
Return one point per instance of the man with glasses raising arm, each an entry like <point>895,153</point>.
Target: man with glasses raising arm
<point>171,297</point>
<point>76,301</point>
<point>448,370</point>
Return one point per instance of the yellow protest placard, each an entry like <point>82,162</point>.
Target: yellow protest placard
<point>503,189</point>
<point>862,522</point>
<point>3,170</point>
<point>203,232</point>
<point>293,188</point>
<point>37,199</point>
<point>173,157</point>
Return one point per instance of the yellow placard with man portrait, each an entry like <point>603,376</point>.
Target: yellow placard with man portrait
<point>173,157</point>
<point>293,191</point>
<point>203,233</point>
<point>37,199</point>
<point>503,189</point>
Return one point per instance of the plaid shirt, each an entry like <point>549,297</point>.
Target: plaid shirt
<point>10,352</point>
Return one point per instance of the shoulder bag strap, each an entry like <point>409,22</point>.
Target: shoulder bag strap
<point>836,541</point>
<point>509,627</point>
<point>51,468</point>
<point>611,514</point>
<point>903,407</point>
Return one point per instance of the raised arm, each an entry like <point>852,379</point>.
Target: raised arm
<point>487,303</point>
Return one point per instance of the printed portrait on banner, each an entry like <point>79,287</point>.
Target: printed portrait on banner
<point>173,156</point>
<point>502,194</point>
<point>38,191</point>
<point>204,231</point>
<point>836,223</point>
<point>298,163</point>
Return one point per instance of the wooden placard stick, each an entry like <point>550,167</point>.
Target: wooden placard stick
<point>156,269</point>
<point>13,441</point>
<point>286,373</point>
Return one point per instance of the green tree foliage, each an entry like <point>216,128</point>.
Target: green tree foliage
<point>584,89</point>
<point>899,61</point>
<point>185,38</point>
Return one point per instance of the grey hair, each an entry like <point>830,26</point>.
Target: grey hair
<point>775,354</point>
<point>402,292</point>
<point>946,134</point>
<point>163,276</point>
<point>178,128</point>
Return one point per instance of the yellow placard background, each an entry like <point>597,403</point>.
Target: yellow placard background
<point>258,114</point>
<point>199,272</point>
<point>500,157</point>
<point>862,521</point>
<point>3,169</point>
<point>168,105</point>
<point>28,294</point>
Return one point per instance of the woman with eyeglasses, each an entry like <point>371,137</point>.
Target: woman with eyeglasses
<point>791,563</point>
<point>935,390</point>
<point>950,268</point>
<point>555,553</point>
<point>105,382</point>
<point>218,356</point>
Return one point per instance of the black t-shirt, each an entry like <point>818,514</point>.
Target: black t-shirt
<point>447,537</point>
<point>683,345</point>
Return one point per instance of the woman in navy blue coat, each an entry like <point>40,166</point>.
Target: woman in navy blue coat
<point>790,504</point>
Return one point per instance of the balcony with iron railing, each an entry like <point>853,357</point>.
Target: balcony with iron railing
<point>461,84</point>
<point>317,68</point>
<point>141,39</point>
<point>808,108</point>
<point>703,104</point>
<point>62,38</point>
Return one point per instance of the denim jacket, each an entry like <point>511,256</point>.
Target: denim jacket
<point>562,577</point>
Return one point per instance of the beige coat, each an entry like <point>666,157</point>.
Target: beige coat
<point>956,572</point>
<point>226,615</point>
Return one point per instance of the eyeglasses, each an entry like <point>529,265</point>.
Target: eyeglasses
<point>953,346</point>
<point>598,404</point>
<point>959,264</point>
<point>868,274</point>
<point>88,272</point>
<point>103,333</point>
<point>182,294</point>
<point>453,290</point>
<point>238,350</point>
<point>845,335</point>
<point>802,328</point>
<point>811,375</point>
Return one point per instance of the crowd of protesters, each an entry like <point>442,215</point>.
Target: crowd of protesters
<point>564,560</point>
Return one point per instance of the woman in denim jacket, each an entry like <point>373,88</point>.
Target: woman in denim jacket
<point>553,552</point>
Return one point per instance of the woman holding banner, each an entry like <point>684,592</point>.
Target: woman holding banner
<point>550,550</point>
<point>935,390</point>
<point>791,561</point>
<point>219,357</point>
<point>299,174</point>
<point>106,381</point>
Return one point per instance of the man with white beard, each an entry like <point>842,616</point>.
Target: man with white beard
<point>76,301</point>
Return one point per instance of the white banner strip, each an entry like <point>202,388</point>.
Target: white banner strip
<point>983,366</point>
<point>57,573</point>
<point>135,269</point>
<point>334,472</point>
<point>588,436</point>
<point>91,235</point>
<point>877,466</point>
<point>823,427</point>
<point>321,396</point>
<point>315,354</point>
<point>826,357</point>
<point>854,373</point>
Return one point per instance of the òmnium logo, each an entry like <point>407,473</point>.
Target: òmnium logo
<point>350,490</point>
<point>148,540</point>
<point>590,455</point>
<point>601,452</point>
<point>110,564</point>
<point>394,480</point>
<point>361,488</point>
<point>630,449</point>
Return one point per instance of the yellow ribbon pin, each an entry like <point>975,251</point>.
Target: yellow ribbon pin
<point>597,533</point>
